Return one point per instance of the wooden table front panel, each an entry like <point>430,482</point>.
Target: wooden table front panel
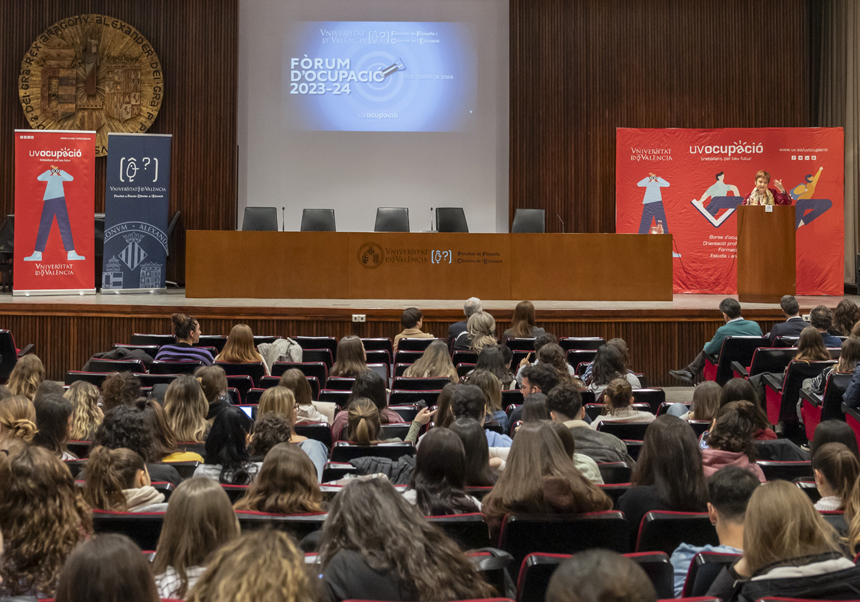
<point>267,265</point>
<point>429,265</point>
<point>767,254</point>
<point>604,267</point>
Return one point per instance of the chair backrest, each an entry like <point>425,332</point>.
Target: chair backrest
<point>392,219</point>
<point>316,369</point>
<point>653,397</point>
<point>414,344</point>
<point>451,219</point>
<point>402,383</point>
<point>183,367</point>
<point>737,349</point>
<point>464,369</point>
<point>241,382</point>
<point>412,397</point>
<point>255,370</point>
<point>407,357</point>
<point>512,397</point>
<point>575,357</point>
<point>703,570</point>
<point>143,528</point>
<point>234,492</point>
<point>318,355</point>
<point>94,378</point>
<point>468,530</point>
<point>152,339</point>
<point>664,531</point>
<point>320,431</point>
<point>785,341</point>
<point>525,534</point>
<point>212,340</point>
<point>150,350</point>
<point>297,525</point>
<point>378,344</point>
<point>837,520</point>
<point>615,472</point>
<point>831,405</point>
<point>340,383</point>
<point>529,221</point>
<point>797,372</point>
<point>329,343</point>
<point>80,448</point>
<point>615,491</point>
<point>785,471</point>
<point>593,343</point>
<point>395,430</point>
<point>260,219</point>
<point>318,220</point>
<point>150,380</point>
<point>334,396</point>
<point>624,430</point>
<point>770,359</point>
<point>523,344</point>
<point>381,368</point>
<point>377,356</point>
<point>344,451</point>
<point>100,365</point>
<point>463,357</point>
<point>407,412</point>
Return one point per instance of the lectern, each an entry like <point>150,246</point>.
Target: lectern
<point>767,260</point>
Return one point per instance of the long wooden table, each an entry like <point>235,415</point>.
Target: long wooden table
<point>369,265</point>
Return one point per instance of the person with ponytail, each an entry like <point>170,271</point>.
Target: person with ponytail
<point>17,419</point>
<point>187,331</point>
<point>836,470</point>
<point>730,440</point>
<point>117,480</point>
<point>618,405</point>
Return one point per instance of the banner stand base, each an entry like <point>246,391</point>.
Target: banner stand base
<point>135,291</point>
<point>39,293</point>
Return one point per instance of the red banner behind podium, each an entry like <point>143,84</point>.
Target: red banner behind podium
<point>690,182</point>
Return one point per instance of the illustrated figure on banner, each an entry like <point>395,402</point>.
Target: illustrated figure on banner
<point>54,205</point>
<point>802,195</point>
<point>718,192</point>
<point>652,208</point>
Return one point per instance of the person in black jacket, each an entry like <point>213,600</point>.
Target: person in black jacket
<point>793,324</point>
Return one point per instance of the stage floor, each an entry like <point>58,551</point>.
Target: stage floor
<point>175,298</point>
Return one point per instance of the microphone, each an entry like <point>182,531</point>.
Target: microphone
<point>562,222</point>
<point>283,218</point>
<point>431,219</point>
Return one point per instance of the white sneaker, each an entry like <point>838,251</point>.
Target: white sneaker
<point>72,256</point>
<point>36,256</point>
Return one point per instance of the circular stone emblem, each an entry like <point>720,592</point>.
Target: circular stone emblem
<point>91,72</point>
<point>370,255</point>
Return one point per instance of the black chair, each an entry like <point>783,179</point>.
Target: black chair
<point>377,356</point>
<point>319,431</point>
<point>593,343</point>
<point>407,412</point>
<point>150,350</point>
<point>615,472</point>
<point>259,339</point>
<point>810,489</point>
<point>334,396</point>
<point>419,384</point>
<point>836,520</point>
<point>464,357</point>
<point>344,451</point>
<point>575,357</point>
<point>255,370</point>
<point>240,382</point>
<point>212,340</point>
<point>234,492</point>
<point>785,341</point>
<point>407,358</point>
<point>412,397</point>
<point>414,344</point>
<point>703,570</point>
<point>699,426</point>
<point>164,487</point>
<point>468,530</point>
<point>318,355</point>
<point>764,359</point>
<point>333,471</point>
<point>395,430</point>
<point>828,406</point>
<point>297,525</point>
<point>318,220</point>
<point>593,410</point>
<point>329,343</point>
<point>400,369</point>
<point>525,534</point>
<point>391,219</point>
<point>785,471</point>
<point>143,528</point>
<point>340,383</point>
<point>9,354</point>
<point>315,369</point>
<point>94,378</point>
<point>512,397</point>
<point>152,339</point>
<point>75,466</point>
<point>664,531</point>
<point>734,349</point>
<point>782,393</point>
<point>161,367</point>
<point>615,491</point>
<point>252,403</point>
<point>80,448</point>
<point>653,397</point>
<point>150,380</point>
<point>529,221</point>
<point>260,219</point>
<point>451,219</point>
<point>464,369</point>
<point>185,469</point>
<point>381,368</point>
<point>379,344</point>
<point>523,344</point>
<point>624,430</point>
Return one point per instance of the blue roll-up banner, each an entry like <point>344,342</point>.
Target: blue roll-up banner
<point>137,195</point>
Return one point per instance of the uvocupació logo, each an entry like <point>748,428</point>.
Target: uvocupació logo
<point>371,255</point>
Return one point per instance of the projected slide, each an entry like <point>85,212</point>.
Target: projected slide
<point>379,76</point>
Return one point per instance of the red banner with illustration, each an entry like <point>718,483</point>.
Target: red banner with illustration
<point>54,211</point>
<point>689,183</point>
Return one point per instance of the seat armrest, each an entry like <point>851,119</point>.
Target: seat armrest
<point>853,412</point>
<point>31,348</point>
<point>740,369</point>
<point>814,398</point>
<point>774,382</point>
<point>713,357</point>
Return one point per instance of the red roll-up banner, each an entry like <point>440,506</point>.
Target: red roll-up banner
<point>689,183</point>
<point>54,212</point>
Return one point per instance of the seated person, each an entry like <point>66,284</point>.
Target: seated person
<point>468,401</point>
<point>435,362</point>
<point>411,320</point>
<point>489,384</point>
<point>735,326</point>
<point>600,576</point>
<point>368,385</point>
<point>618,405</point>
<point>836,470</point>
<point>619,344</point>
<point>793,324</point>
<point>730,440</point>
<point>564,403</point>
<point>471,306</point>
<point>706,402</point>
<point>240,349</point>
<point>532,358</point>
<point>286,484</point>
<point>117,480</point>
<point>227,457</point>
<point>607,366</point>
<point>523,323</point>
<point>480,332</point>
<point>821,318</point>
<point>351,358</point>
<point>537,378</point>
<point>187,331</point>
<point>730,489</point>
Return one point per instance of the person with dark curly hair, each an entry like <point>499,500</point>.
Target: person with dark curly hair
<point>730,441</point>
<point>42,517</point>
<point>125,426</point>
<point>118,389</point>
<point>270,430</point>
<point>847,314</point>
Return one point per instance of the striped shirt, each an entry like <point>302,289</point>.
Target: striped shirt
<point>168,582</point>
<point>183,352</point>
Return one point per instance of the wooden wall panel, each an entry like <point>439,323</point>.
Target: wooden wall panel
<point>581,68</point>
<point>197,42</point>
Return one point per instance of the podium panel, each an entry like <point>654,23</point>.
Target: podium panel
<point>767,256</point>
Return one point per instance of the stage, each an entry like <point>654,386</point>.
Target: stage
<point>662,335</point>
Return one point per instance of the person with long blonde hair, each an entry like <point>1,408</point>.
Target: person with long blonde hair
<point>186,408</point>
<point>363,422</point>
<point>265,566</point>
<point>523,323</point>
<point>281,401</point>
<point>435,362</point>
<point>239,348</point>
<point>26,376</point>
<point>286,484</point>
<point>42,517</point>
<point>17,419</point>
<point>164,446</point>
<point>117,480</point>
<point>87,415</point>
<point>199,520</point>
<point>790,551</point>
<point>351,358</point>
<point>540,478</point>
<point>480,332</point>
<point>213,382</point>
